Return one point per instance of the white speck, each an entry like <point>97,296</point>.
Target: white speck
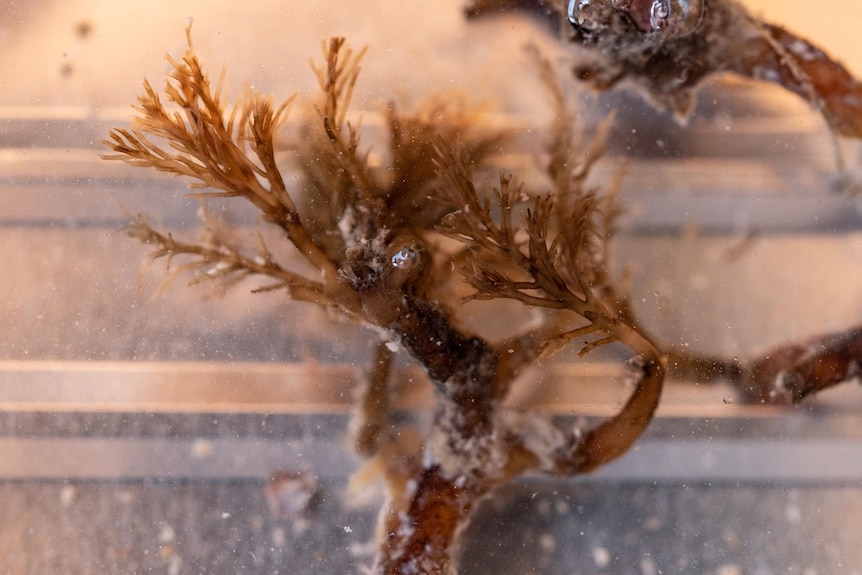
<point>289,494</point>
<point>708,460</point>
<point>601,557</point>
<point>562,507</point>
<point>547,542</point>
<point>218,268</point>
<point>175,565</point>
<point>124,497</point>
<point>202,448</point>
<point>727,399</point>
<point>299,526</point>
<point>392,346</point>
<point>167,534</point>
<point>67,495</point>
<point>225,515</point>
<point>405,528</point>
<point>374,160</point>
<point>543,507</point>
<point>652,523</point>
<point>793,514</point>
<point>347,529</point>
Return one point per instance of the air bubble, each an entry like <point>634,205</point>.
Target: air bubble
<point>659,14</point>
<point>679,17</point>
<point>585,14</point>
<point>403,258</point>
<point>673,18</point>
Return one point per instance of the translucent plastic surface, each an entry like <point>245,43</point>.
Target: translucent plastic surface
<point>175,428</point>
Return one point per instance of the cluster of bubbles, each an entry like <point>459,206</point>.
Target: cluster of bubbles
<point>680,17</point>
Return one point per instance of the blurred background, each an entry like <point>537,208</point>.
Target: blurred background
<point>94,53</point>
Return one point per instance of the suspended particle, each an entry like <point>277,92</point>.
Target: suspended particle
<point>290,494</point>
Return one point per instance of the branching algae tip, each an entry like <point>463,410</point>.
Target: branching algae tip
<point>371,241</point>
